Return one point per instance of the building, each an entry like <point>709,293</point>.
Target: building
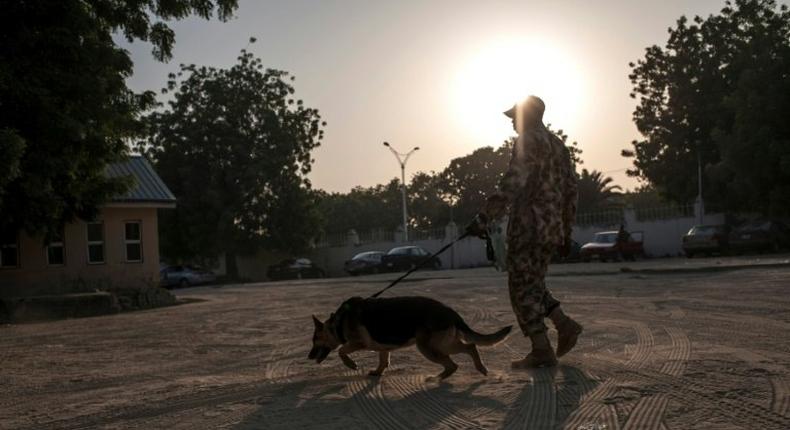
<point>120,248</point>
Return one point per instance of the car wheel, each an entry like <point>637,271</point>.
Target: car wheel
<point>183,283</point>
<point>374,271</point>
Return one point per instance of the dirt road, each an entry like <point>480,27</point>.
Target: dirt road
<point>660,351</point>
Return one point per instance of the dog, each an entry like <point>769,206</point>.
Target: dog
<point>387,324</point>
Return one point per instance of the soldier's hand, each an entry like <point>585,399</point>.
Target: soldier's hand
<point>478,226</point>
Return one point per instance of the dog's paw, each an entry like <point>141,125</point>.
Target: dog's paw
<point>349,363</point>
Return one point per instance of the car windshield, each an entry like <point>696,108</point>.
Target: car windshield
<point>605,238</point>
<point>399,251</point>
<point>704,230</point>
<point>367,256</point>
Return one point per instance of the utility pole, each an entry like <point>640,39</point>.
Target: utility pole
<point>700,202</point>
<point>402,162</point>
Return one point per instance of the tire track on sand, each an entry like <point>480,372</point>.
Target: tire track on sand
<point>781,400</point>
<point>539,410</point>
<point>413,388</point>
<point>592,408</point>
<point>680,353</point>
<point>367,394</point>
<point>648,413</point>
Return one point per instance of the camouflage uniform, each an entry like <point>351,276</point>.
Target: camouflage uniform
<point>539,189</point>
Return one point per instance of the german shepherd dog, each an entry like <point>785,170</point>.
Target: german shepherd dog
<point>386,324</point>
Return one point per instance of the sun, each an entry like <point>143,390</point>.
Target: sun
<point>506,71</point>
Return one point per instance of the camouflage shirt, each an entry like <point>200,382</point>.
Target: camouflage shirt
<point>539,189</point>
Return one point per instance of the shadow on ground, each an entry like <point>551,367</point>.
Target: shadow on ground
<point>540,399</point>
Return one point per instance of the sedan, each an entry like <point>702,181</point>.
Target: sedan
<point>184,276</point>
<point>294,268</point>
<point>761,235</point>
<point>364,262</point>
<point>408,257</point>
<point>705,239</point>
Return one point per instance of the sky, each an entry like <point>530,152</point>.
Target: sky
<point>438,74</point>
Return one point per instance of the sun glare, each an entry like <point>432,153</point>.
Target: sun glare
<point>506,71</point>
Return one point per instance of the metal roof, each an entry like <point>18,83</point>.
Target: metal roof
<point>148,186</point>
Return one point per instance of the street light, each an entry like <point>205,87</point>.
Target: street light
<point>402,162</point>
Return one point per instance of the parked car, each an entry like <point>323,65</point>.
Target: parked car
<point>705,239</point>
<point>407,257</point>
<point>760,235</point>
<point>606,246</point>
<point>184,276</point>
<point>294,268</point>
<point>573,256</point>
<point>364,262</point>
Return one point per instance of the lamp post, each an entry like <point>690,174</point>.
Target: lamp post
<point>700,202</point>
<point>402,159</point>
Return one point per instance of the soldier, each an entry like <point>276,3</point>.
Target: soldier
<point>538,192</point>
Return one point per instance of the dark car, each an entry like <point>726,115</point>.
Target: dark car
<point>294,268</point>
<point>408,257</point>
<point>364,262</point>
<point>184,276</point>
<point>760,235</point>
<point>614,245</point>
<point>705,239</point>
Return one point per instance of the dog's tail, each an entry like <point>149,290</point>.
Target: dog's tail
<point>476,338</point>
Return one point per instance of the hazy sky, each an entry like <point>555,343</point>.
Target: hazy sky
<point>438,74</point>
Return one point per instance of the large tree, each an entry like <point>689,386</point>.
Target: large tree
<point>718,94</point>
<point>597,192</point>
<point>471,178</point>
<point>235,148</point>
<point>65,109</point>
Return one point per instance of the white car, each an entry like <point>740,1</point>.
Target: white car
<point>184,276</point>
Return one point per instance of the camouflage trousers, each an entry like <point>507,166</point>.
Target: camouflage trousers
<point>530,298</point>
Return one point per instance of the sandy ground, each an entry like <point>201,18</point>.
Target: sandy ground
<point>660,351</point>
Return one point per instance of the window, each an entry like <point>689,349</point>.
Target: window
<point>95,243</point>
<point>55,251</point>
<point>133,241</point>
<point>9,249</point>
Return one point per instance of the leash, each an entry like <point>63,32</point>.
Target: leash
<point>423,263</point>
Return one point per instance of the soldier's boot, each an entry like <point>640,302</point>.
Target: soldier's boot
<point>542,354</point>
<point>568,331</point>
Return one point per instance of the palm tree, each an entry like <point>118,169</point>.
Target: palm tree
<point>596,192</point>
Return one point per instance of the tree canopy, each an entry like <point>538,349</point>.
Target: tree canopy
<point>65,109</point>
<point>718,93</point>
<point>458,191</point>
<point>235,148</point>
<point>596,192</point>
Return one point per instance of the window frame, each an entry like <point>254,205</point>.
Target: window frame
<point>62,245</point>
<point>102,242</point>
<point>138,241</point>
<point>15,245</point>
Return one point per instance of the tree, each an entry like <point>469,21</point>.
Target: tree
<point>464,185</point>
<point>362,209</point>
<point>65,109</point>
<point>427,207</point>
<point>717,95</point>
<point>235,148</point>
<point>596,192</point>
<point>472,178</point>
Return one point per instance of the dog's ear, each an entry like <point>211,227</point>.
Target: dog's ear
<point>318,324</point>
